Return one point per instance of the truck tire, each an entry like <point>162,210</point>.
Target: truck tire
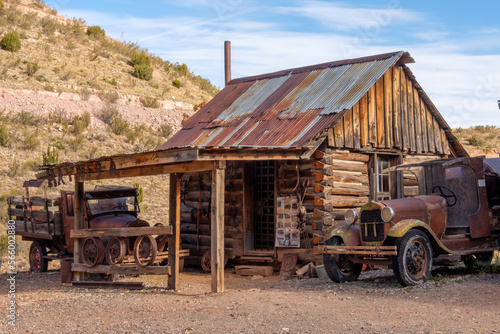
<point>337,267</point>
<point>37,263</point>
<point>476,262</point>
<point>413,264</point>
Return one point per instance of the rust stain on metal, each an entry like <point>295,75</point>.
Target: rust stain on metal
<point>282,109</point>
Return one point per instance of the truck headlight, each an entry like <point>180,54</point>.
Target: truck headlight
<point>387,214</point>
<point>351,216</point>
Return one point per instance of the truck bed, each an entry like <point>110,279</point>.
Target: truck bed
<point>36,217</point>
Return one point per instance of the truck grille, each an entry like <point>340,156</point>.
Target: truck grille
<point>372,227</point>
<point>371,216</point>
<point>372,232</point>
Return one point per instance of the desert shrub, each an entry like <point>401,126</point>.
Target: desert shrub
<point>15,168</point>
<point>31,69</point>
<point>109,97</point>
<point>84,94</point>
<point>58,116</point>
<point>165,130</point>
<point>149,102</point>
<point>177,83</point>
<point>76,142</point>
<point>30,165</point>
<point>80,123</point>
<point>108,113</point>
<point>142,66</point>
<point>41,78</point>
<point>95,32</point>
<point>140,58</point>
<point>31,142</point>
<point>26,118</point>
<point>92,152</point>
<point>11,42</point>
<point>48,87</point>
<point>143,72</point>
<point>119,125</point>
<point>57,143</point>
<point>112,81</point>
<point>51,156</point>
<point>140,192</point>
<point>49,26</point>
<point>4,135</point>
<point>474,141</point>
<point>1,4</point>
<point>182,69</point>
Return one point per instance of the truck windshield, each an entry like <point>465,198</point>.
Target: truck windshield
<point>120,204</point>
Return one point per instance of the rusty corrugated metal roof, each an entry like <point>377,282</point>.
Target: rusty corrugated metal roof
<point>282,109</point>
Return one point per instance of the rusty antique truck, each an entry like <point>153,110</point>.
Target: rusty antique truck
<point>47,223</point>
<point>441,207</point>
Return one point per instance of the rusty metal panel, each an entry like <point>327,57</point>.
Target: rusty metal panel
<point>282,109</point>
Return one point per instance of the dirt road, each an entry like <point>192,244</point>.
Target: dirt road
<point>451,302</point>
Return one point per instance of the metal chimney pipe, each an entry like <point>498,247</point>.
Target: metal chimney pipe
<point>227,61</point>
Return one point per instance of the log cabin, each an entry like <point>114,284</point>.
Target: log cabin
<point>329,133</point>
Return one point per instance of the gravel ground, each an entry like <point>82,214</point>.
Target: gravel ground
<point>451,302</point>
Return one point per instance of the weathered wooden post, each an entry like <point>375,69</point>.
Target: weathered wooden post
<point>217,231</point>
<point>79,207</point>
<point>175,238</point>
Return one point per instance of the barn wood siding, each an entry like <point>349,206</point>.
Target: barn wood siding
<point>391,115</point>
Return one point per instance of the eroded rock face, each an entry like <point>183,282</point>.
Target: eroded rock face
<point>41,103</point>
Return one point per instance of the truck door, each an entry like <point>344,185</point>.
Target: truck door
<point>68,217</point>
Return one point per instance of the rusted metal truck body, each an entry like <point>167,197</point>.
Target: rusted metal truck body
<point>455,209</point>
<point>48,222</point>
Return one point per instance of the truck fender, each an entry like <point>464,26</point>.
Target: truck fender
<point>402,227</point>
<point>348,233</point>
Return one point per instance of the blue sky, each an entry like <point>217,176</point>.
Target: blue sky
<point>456,44</point>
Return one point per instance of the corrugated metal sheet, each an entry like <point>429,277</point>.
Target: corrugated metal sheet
<point>283,109</point>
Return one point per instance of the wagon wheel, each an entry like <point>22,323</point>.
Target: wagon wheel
<point>115,250</point>
<point>206,261</point>
<point>145,250</point>
<point>37,263</point>
<point>92,251</point>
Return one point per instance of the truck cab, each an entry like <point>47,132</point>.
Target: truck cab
<point>447,206</point>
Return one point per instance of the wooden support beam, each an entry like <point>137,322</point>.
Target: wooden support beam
<point>121,269</point>
<point>175,222</point>
<point>217,260</point>
<point>79,207</point>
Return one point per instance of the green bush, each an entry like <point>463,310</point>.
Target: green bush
<point>11,42</point>
<point>143,72</point>
<point>165,130</point>
<point>182,69</point>
<point>80,123</point>
<point>51,156</point>
<point>31,69</point>
<point>140,58</point>
<point>108,113</point>
<point>177,83</point>
<point>76,142</point>
<point>1,4</point>
<point>31,142</point>
<point>149,102</point>
<point>4,135</point>
<point>95,32</point>
<point>119,125</point>
<point>140,193</point>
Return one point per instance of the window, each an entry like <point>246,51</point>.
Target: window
<point>383,187</point>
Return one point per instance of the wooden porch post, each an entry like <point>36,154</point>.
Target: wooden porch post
<point>217,231</point>
<point>175,238</point>
<point>79,207</point>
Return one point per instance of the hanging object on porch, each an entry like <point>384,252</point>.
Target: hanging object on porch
<point>287,231</point>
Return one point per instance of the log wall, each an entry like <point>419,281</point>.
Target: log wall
<point>391,115</point>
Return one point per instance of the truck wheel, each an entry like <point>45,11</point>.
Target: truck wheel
<point>338,267</point>
<point>413,264</point>
<point>37,263</point>
<point>477,261</point>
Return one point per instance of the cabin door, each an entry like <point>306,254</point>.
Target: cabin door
<point>260,202</point>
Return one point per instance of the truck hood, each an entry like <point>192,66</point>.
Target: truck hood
<point>415,207</point>
<point>116,221</point>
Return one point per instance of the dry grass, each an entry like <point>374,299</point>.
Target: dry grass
<point>58,55</point>
<point>480,140</point>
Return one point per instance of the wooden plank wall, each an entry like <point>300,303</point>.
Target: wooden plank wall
<point>199,243</point>
<point>391,115</point>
